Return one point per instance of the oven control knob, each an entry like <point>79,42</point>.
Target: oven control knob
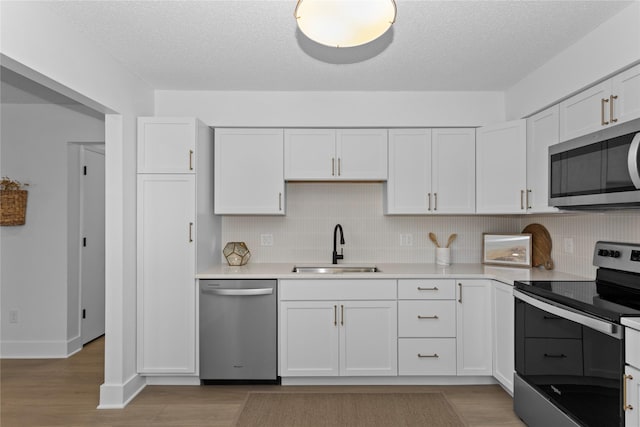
<point>603,252</point>
<point>615,254</point>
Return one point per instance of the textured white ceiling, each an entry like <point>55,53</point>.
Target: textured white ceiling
<point>254,45</point>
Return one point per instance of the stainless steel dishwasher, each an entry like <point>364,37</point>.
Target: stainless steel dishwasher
<point>238,331</point>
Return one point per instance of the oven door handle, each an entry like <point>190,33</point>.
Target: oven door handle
<point>633,159</point>
<point>599,325</point>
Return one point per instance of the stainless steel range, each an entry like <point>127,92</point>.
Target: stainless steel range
<point>570,343</point>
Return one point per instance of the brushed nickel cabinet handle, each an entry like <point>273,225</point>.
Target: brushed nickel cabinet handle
<point>428,317</point>
<point>190,232</point>
<point>339,165</point>
<point>333,166</point>
<point>522,199</point>
<point>280,201</point>
<point>625,405</point>
<point>602,120</point>
<point>335,315</point>
<point>429,198</point>
<point>428,355</point>
<point>342,314</point>
<point>527,199</point>
<point>611,99</point>
<point>435,201</point>
<point>435,288</point>
<point>190,160</point>
<point>460,287</point>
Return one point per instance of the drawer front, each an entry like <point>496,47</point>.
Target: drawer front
<point>540,324</point>
<point>426,319</point>
<point>337,289</point>
<point>427,289</point>
<point>632,347</point>
<point>553,356</point>
<point>427,356</point>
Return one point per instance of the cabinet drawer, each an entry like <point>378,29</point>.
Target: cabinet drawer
<point>427,356</point>
<point>426,289</point>
<point>337,289</point>
<point>632,347</point>
<point>426,319</point>
<point>553,356</point>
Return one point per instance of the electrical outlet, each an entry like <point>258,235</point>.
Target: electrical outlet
<point>266,240</point>
<point>568,245</point>
<point>406,240</point>
<point>13,316</point>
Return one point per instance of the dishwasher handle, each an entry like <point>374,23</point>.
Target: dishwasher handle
<point>238,292</point>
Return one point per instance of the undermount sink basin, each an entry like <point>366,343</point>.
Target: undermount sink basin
<point>336,269</point>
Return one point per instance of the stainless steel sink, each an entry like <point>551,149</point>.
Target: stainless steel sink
<point>335,269</point>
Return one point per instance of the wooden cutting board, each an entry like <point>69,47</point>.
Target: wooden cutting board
<point>541,243</point>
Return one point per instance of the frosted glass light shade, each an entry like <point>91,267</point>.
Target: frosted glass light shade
<point>344,23</point>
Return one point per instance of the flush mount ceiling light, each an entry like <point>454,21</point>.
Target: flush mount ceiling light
<point>344,23</point>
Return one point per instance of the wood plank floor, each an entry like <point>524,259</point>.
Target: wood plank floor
<point>64,392</point>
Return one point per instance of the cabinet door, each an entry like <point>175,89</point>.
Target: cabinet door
<point>309,154</point>
<point>626,86</point>
<point>362,154</point>
<point>454,171</point>
<point>585,112</point>
<point>474,339</point>
<point>249,171</point>
<point>308,338</point>
<point>166,315</point>
<point>368,338</point>
<point>503,334</point>
<point>166,145</point>
<point>542,132</point>
<point>501,167</point>
<point>408,188</point>
<point>632,414</point>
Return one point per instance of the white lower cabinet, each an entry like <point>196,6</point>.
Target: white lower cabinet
<point>337,332</point>
<point>474,337</point>
<point>632,378</point>
<point>503,334</point>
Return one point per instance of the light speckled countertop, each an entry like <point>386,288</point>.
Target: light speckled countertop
<point>632,322</point>
<point>388,271</point>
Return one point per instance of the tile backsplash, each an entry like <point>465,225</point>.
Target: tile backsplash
<point>305,234</point>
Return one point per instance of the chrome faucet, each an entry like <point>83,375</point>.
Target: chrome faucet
<point>337,256</point>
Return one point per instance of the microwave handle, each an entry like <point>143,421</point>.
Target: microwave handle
<point>633,160</point>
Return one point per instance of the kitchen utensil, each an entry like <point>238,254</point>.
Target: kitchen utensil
<point>541,245</point>
<point>434,239</point>
<point>451,239</point>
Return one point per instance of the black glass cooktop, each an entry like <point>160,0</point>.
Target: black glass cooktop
<point>596,298</point>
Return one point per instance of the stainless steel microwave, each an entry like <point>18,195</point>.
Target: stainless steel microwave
<point>597,171</point>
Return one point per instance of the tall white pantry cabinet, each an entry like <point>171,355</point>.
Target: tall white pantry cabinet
<point>175,228</point>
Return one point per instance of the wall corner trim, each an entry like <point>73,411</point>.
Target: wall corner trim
<point>117,396</point>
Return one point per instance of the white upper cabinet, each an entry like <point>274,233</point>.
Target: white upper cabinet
<point>409,185</point>
<point>166,145</point>
<point>309,154</point>
<point>454,171</point>
<point>335,154</point>
<point>249,171</point>
<point>501,168</point>
<point>614,101</point>
<point>362,154</point>
<point>542,131</point>
<point>431,171</point>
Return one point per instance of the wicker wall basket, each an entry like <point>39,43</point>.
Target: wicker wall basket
<point>13,207</point>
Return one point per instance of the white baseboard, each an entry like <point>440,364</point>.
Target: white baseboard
<point>390,380</point>
<point>117,396</point>
<point>172,380</point>
<point>39,349</point>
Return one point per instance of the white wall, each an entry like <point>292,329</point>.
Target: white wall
<point>34,256</point>
<point>334,109</point>
<point>613,45</point>
<point>37,43</point>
